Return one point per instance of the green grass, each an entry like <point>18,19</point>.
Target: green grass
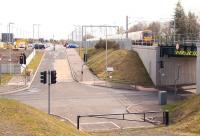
<point>5,78</point>
<point>17,119</point>
<point>35,61</point>
<point>128,68</point>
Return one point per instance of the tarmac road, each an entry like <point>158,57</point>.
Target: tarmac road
<point>69,98</point>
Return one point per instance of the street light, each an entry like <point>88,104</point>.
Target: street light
<point>38,25</point>
<point>9,40</point>
<point>34,30</point>
<point>38,31</point>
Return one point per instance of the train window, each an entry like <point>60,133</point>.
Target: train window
<point>145,34</point>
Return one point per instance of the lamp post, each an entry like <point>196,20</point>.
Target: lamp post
<point>98,26</point>
<point>34,30</point>
<point>106,54</point>
<point>127,27</point>
<point>38,31</point>
<point>9,40</point>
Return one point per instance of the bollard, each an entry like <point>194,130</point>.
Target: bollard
<point>144,117</point>
<point>78,121</point>
<point>166,118</point>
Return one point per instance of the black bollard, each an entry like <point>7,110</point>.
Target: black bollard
<point>166,118</point>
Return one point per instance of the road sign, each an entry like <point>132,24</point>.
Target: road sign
<point>109,69</point>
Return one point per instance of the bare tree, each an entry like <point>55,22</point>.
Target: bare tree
<point>87,36</point>
<point>165,28</point>
<point>138,27</point>
<point>155,28</point>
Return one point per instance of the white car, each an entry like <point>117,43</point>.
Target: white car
<point>22,46</point>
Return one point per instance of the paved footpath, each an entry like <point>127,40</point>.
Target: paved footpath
<point>77,66</point>
<point>87,77</point>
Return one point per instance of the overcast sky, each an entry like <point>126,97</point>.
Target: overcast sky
<point>59,17</point>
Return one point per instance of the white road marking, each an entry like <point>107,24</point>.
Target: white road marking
<point>100,123</point>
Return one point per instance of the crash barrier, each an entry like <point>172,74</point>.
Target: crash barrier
<point>164,119</point>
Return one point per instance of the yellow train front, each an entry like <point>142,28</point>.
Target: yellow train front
<point>141,37</point>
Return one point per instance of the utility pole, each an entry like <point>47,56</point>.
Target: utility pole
<point>49,95</point>
<point>34,31</point>
<point>38,31</point>
<point>9,40</point>
<point>127,27</point>
<point>174,31</point>
<point>82,37</point>
<point>54,48</point>
<point>106,55</point>
<point>72,36</point>
<point>98,26</point>
<point>85,41</point>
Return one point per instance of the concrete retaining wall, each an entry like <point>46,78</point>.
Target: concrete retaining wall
<point>198,68</point>
<point>13,68</point>
<point>185,66</point>
<point>16,68</point>
<point>150,56</point>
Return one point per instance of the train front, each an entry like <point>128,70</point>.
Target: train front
<point>147,37</point>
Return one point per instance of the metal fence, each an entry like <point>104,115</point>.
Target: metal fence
<point>181,39</point>
<point>160,118</point>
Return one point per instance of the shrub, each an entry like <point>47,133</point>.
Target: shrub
<point>110,45</point>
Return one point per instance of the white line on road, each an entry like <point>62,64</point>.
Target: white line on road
<point>100,123</point>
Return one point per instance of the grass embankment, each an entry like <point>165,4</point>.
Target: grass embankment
<point>17,119</point>
<point>128,67</point>
<point>5,78</point>
<point>35,61</point>
<point>185,115</point>
<point>184,118</point>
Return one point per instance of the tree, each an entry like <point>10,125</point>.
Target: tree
<point>87,36</point>
<point>180,20</point>
<point>138,27</point>
<point>155,28</point>
<point>193,26</point>
<point>166,29</point>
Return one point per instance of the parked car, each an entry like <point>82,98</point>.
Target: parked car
<point>39,46</point>
<point>72,46</point>
<point>22,46</point>
<point>30,45</point>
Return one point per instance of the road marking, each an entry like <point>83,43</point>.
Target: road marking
<point>100,123</point>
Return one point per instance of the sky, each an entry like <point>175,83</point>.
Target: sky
<point>58,18</point>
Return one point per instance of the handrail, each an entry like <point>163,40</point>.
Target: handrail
<point>74,75</point>
<point>165,116</point>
